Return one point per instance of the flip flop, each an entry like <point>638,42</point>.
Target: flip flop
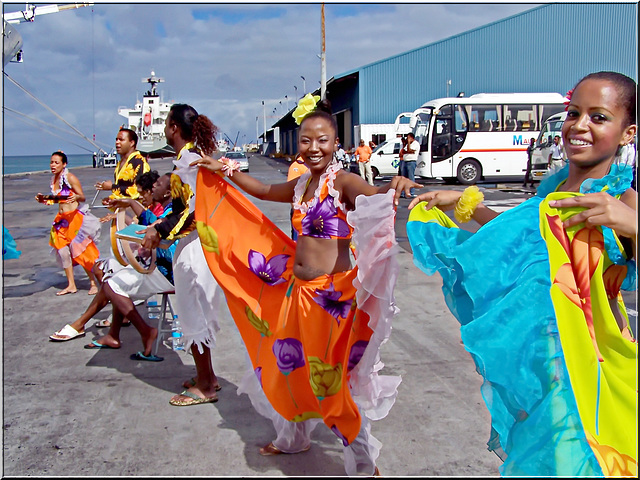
<point>95,345</point>
<point>66,331</point>
<point>271,449</point>
<point>193,400</point>
<point>104,323</point>
<point>148,358</point>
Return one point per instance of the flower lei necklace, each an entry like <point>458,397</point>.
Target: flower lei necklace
<point>300,188</point>
<point>63,182</point>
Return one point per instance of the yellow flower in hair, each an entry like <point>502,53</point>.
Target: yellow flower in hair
<point>306,105</point>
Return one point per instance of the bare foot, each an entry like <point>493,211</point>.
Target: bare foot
<point>93,290</point>
<point>148,342</point>
<point>66,291</point>
<point>193,381</point>
<point>103,342</point>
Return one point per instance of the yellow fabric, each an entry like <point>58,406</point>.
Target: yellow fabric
<point>601,362</point>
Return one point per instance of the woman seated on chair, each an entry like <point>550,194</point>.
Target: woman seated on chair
<point>127,284</point>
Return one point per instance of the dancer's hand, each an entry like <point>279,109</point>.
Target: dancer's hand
<point>601,209</point>
<point>209,163</point>
<point>402,185</point>
<point>443,199</point>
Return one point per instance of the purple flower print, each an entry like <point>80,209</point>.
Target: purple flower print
<point>335,430</point>
<point>64,223</point>
<point>321,221</point>
<point>258,372</point>
<point>270,272</point>
<point>357,350</point>
<point>289,354</point>
<point>328,299</point>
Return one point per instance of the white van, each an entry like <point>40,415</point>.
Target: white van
<point>542,149</point>
<point>385,158</point>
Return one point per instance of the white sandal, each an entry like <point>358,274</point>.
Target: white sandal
<point>67,331</point>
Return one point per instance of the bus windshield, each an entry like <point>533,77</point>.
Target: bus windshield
<point>421,130</point>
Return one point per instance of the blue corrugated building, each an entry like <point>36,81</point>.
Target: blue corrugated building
<point>545,49</point>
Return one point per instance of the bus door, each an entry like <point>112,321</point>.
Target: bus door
<point>450,131</point>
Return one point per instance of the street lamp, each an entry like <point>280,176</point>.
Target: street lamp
<point>295,93</point>
<point>287,99</point>
<point>304,85</point>
<point>264,119</point>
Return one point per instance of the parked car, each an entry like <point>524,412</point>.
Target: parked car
<point>385,158</point>
<point>241,158</point>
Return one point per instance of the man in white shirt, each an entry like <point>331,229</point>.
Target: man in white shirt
<point>556,158</point>
<point>410,159</point>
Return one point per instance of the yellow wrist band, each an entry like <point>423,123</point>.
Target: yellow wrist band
<point>467,204</point>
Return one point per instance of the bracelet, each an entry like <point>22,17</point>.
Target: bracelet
<point>229,166</point>
<point>467,204</point>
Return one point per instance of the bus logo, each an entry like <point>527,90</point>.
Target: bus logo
<point>517,140</point>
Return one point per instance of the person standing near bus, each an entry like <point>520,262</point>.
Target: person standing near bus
<point>409,159</point>
<point>527,175</point>
<point>363,154</point>
<point>556,158</point>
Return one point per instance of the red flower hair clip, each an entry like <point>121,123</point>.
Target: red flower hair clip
<point>568,95</point>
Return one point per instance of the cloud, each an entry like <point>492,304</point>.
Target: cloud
<point>224,59</point>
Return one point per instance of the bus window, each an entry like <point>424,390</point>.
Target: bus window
<point>518,118</point>
<point>548,110</point>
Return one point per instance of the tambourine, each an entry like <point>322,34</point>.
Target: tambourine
<point>121,243</point>
<point>55,198</point>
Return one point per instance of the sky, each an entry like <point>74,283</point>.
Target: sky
<point>224,59</point>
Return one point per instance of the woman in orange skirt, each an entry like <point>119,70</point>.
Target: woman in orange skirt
<point>312,321</point>
<point>75,230</point>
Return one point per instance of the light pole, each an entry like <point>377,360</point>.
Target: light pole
<point>257,131</point>
<point>304,85</point>
<point>323,62</point>
<point>295,95</point>
<point>264,119</point>
<point>287,99</point>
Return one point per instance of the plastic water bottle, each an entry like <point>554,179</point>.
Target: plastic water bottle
<point>176,334</point>
<point>153,309</point>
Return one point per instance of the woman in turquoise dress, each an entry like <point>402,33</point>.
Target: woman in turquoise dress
<point>537,293</point>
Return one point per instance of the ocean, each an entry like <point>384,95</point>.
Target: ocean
<point>38,163</point>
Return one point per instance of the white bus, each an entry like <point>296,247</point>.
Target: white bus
<point>484,136</point>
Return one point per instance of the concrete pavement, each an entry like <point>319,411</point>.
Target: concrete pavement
<point>68,411</point>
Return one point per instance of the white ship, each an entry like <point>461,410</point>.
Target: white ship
<point>147,120</point>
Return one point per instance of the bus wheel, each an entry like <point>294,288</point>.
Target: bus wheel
<point>469,172</point>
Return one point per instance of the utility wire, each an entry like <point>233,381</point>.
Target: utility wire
<point>46,131</point>
<point>52,111</point>
<point>50,125</point>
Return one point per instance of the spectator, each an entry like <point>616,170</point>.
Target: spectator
<point>410,159</point>
<point>363,155</point>
<point>556,159</point>
<point>527,175</point>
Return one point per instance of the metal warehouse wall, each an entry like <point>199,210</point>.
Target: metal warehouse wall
<point>546,49</point>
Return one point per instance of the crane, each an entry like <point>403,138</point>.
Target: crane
<point>12,40</point>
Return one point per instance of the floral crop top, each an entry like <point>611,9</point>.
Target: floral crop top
<point>323,216</point>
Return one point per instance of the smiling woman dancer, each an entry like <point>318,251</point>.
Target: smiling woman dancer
<point>312,322</point>
<point>537,292</point>
<point>74,229</point>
